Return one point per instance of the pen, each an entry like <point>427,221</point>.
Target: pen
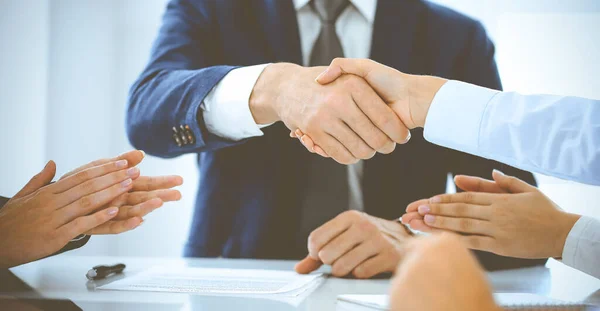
<point>101,272</point>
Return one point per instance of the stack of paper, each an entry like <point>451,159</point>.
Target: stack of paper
<point>217,281</point>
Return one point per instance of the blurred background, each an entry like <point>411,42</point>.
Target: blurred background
<point>66,67</point>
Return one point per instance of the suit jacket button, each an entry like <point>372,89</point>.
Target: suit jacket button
<point>190,134</point>
<point>183,135</point>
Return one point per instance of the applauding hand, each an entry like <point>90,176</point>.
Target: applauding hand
<point>506,216</point>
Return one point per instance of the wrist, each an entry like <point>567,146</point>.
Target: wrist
<point>566,223</point>
<point>422,90</point>
<point>263,101</point>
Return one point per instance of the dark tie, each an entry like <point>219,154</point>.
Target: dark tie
<point>327,188</point>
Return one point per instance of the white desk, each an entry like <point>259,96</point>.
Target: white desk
<point>64,277</point>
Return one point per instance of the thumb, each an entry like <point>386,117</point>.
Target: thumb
<point>307,265</point>
<point>340,66</point>
<point>511,184</point>
<point>40,180</point>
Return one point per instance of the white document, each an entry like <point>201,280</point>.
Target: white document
<point>508,301</point>
<point>216,281</point>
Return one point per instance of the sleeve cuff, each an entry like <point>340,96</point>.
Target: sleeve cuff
<point>226,111</point>
<point>455,116</point>
<point>571,248</point>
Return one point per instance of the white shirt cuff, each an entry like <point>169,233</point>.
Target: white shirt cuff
<point>455,116</point>
<point>226,109</point>
<point>582,246</point>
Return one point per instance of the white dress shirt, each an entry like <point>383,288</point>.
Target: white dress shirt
<point>226,110</point>
<point>553,135</point>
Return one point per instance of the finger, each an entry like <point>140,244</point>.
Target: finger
<point>139,210</point>
<point>340,66</point>
<point>149,183</point>
<point>307,265</point>
<point>347,263</point>
<point>380,114</point>
<point>38,181</point>
<point>419,225</point>
<point>366,130</point>
<point>460,210</point>
<point>465,197</point>
<point>307,143</point>
<point>340,245</point>
<point>133,157</point>
<point>512,184</point>
<point>478,242</point>
<point>477,184</point>
<point>408,217</point>
<point>463,225</point>
<point>412,207</point>
<point>292,134</point>
<point>372,266</point>
<point>116,226</point>
<point>327,232</point>
<point>88,174</point>
<point>350,140</point>
<point>97,184</point>
<point>84,224</point>
<point>134,198</point>
<point>335,149</point>
<point>321,152</point>
<point>89,203</point>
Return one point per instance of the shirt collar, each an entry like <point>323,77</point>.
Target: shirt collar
<point>366,7</point>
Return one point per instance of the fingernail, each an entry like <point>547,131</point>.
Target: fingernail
<point>408,137</point>
<point>143,153</point>
<point>435,200</point>
<point>498,172</point>
<point>133,171</point>
<point>424,209</point>
<point>112,211</point>
<point>126,183</point>
<point>322,74</point>
<point>121,163</point>
<point>429,219</point>
<point>46,166</point>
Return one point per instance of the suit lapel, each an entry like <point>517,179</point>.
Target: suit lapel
<point>280,27</point>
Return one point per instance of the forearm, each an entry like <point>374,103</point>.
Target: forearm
<point>514,129</point>
<point>3,201</point>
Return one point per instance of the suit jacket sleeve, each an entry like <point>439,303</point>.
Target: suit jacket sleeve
<point>479,67</point>
<point>183,69</point>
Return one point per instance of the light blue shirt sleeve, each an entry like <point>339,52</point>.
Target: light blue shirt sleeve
<point>552,135</point>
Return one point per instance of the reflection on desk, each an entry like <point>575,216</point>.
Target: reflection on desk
<point>63,277</point>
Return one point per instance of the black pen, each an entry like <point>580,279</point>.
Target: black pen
<point>100,272</point>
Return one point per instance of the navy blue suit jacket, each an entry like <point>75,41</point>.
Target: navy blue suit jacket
<point>250,191</point>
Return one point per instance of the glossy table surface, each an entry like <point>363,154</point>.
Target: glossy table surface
<point>63,277</point>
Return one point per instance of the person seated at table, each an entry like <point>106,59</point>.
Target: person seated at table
<point>107,196</point>
<point>554,135</point>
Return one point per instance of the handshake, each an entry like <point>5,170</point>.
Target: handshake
<point>353,109</point>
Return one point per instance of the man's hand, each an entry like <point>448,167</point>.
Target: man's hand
<point>146,195</point>
<point>510,218</point>
<point>409,96</point>
<point>355,243</point>
<point>438,273</point>
<point>346,118</point>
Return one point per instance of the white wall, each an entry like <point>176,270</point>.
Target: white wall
<point>66,67</point>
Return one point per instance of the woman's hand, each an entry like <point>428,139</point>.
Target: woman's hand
<point>42,218</point>
<point>510,218</point>
<point>146,195</point>
<point>439,273</point>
